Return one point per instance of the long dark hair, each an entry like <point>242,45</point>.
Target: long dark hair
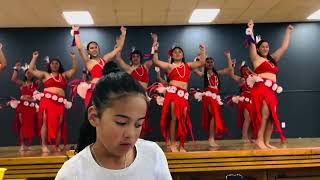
<point>136,52</point>
<point>92,42</point>
<point>177,47</point>
<point>205,75</point>
<point>25,77</point>
<point>269,57</point>
<point>61,69</point>
<point>112,86</point>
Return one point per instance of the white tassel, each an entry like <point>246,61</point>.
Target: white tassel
<point>159,100</point>
<point>82,89</point>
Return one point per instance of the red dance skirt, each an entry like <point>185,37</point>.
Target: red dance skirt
<point>179,97</point>
<point>87,99</point>
<point>54,110</point>
<point>28,125</point>
<point>220,127</point>
<point>261,92</point>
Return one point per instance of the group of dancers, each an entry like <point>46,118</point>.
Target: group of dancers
<point>257,102</point>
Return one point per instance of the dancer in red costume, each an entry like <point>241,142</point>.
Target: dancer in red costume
<point>51,116</point>
<point>246,113</point>
<point>175,109</point>
<point>27,107</point>
<point>3,61</point>
<point>212,120</point>
<point>263,92</point>
<point>136,69</point>
<point>94,63</point>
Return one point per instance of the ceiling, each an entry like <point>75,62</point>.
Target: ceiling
<point>48,13</point>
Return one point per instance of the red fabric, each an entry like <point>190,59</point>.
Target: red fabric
<point>213,80</point>
<point>145,126</point>
<point>243,105</point>
<point>54,110</point>
<point>96,71</point>
<point>181,73</point>
<point>266,67</point>
<point>87,99</point>
<point>27,127</point>
<point>53,83</point>
<point>183,120</point>
<point>260,92</point>
<point>219,124</point>
<point>29,89</point>
<point>141,74</point>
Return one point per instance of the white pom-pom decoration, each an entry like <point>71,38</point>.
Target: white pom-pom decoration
<point>180,93</point>
<point>198,96</point>
<point>47,95</point>
<point>241,98</point>
<point>68,105</point>
<point>54,97</point>
<point>274,87</point>
<point>235,99</point>
<point>268,83</point>
<point>279,89</point>
<point>60,100</point>
<point>186,96</point>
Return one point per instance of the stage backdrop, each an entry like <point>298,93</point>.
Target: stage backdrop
<point>299,69</point>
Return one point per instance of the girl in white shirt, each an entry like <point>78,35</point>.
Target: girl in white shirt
<point>118,111</point>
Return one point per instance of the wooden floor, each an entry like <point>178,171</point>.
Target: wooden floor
<point>232,156</point>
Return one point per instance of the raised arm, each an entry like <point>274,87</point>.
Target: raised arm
<point>32,67</point>
<point>230,63</point>
<point>159,78</point>
<point>123,65</point>
<point>68,74</point>
<point>82,51</point>
<point>14,77</point>
<point>198,72</point>
<point>252,46</point>
<point>202,56</point>
<point>3,61</point>
<point>148,64</point>
<point>161,64</point>
<point>284,46</point>
<point>120,42</point>
<point>235,77</point>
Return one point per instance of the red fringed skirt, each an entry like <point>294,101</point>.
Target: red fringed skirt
<point>54,109</point>
<point>245,103</point>
<point>27,126</point>
<point>212,99</point>
<point>261,92</point>
<point>179,97</point>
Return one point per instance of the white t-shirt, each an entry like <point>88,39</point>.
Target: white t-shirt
<point>150,163</point>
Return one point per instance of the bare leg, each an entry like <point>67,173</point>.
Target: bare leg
<point>268,133</point>
<point>265,116</point>
<point>44,134</point>
<point>211,140</point>
<point>173,124</point>
<point>59,134</point>
<point>245,127</point>
<point>181,148</point>
<point>21,138</point>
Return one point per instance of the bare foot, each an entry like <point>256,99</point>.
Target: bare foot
<point>261,144</point>
<point>181,149</point>
<point>173,147</point>
<point>212,143</point>
<point>23,148</point>
<point>57,149</point>
<point>270,146</point>
<point>45,149</point>
<point>246,140</point>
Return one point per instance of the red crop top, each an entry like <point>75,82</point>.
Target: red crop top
<point>96,71</point>
<point>140,74</point>
<point>58,82</point>
<point>266,67</point>
<point>181,73</point>
<point>213,80</point>
<point>28,89</point>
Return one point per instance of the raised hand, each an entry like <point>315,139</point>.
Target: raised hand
<point>72,54</point>
<point>75,27</point>
<point>35,55</point>
<point>227,53</point>
<point>290,28</point>
<point>18,66</point>
<point>123,30</point>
